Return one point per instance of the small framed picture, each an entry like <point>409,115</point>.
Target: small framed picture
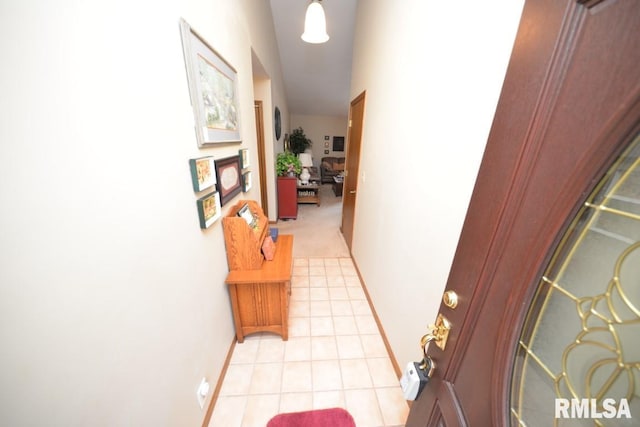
<point>244,158</point>
<point>338,143</point>
<point>326,144</point>
<point>228,178</point>
<point>246,181</point>
<point>245,213</point>
<point>202,173</point>
<point>209,210</point>
<point>326,151</point>
<point>326,137</point>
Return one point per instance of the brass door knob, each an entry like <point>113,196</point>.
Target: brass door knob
<point>450,299</point>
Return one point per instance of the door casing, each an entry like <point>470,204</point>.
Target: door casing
<point>262,164</point>
<point>352,167</point>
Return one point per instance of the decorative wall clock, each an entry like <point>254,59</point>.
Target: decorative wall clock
<point>278,124</point>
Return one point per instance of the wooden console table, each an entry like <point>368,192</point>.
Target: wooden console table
<point>309,193</point>
<point>260,298</point>
<point>259,289</point>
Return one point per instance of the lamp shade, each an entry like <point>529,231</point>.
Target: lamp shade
<point>315,24</point>
<point>305,160</point>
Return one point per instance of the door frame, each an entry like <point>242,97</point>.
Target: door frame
<point>258,111</point>
<point>352,169</point>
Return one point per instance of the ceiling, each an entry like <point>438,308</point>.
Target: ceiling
<point>316,77</point>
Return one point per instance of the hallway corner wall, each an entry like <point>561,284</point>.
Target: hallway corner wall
<point>432,72</point>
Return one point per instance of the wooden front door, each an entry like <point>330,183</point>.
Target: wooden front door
<point>356,117</point>
<point>570,104</point>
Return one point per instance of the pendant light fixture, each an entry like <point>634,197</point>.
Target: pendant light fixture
<point>315,24</point>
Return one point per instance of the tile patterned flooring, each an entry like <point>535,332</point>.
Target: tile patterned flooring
<point>335,357</point>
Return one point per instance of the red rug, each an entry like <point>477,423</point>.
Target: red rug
<point>334,417</point>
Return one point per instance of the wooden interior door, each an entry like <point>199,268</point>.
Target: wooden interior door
<point>570,103</point>
<point>350,185</point>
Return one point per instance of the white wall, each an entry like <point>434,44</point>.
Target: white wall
<point>432,72</point>
<point>262,92</point>
<point>112,300</point>
<point>316,128</point>
<point>268,88</point>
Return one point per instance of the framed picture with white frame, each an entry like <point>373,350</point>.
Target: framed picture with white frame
<point>244,158</point>
<point>213,88</point>
<point>203,174</point>
<point>209,209</point>
<point>246,181</point>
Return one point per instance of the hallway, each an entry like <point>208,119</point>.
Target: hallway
<point>316,231</point>
<point>335,355</point>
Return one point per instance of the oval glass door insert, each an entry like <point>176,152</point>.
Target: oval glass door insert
<point>581,337</point>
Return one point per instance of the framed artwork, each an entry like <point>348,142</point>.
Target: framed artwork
<point>246,181</point>
<point>338,143</point>
<point>202,173</point>
<point>326,144</point>
<point>326,151</point>
<point>213,88</point>
<point>209,209</point>
<point>228,177</point>
<point>326,137</point>
<point>244,158</point>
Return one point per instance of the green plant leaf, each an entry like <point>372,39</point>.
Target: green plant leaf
<point>298,141</point>
<point>287,162</point>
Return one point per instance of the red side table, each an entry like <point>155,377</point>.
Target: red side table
<point>287,197</point>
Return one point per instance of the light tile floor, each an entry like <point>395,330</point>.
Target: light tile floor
<point>335,357</point>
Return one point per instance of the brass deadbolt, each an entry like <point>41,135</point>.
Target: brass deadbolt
<point>450,299</point>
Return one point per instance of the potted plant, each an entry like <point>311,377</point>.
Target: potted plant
<point>298,141</point>
<point>287,164</point>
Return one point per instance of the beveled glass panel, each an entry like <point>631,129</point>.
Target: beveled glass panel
<point>548,344</point>
<point>591,265</point>
<point>539,405</point>
<point>581,338</point>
